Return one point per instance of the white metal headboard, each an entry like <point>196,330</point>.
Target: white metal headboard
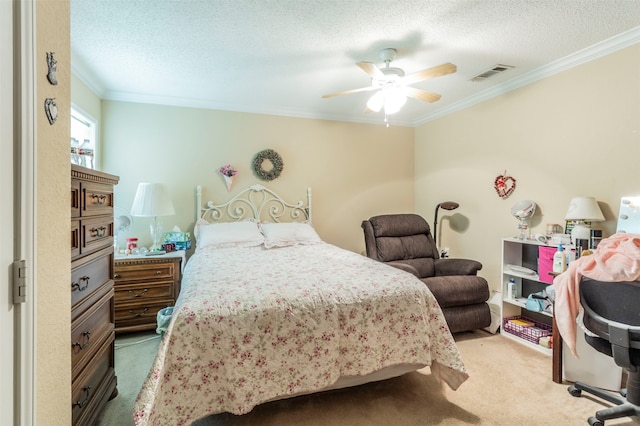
<point>255,202</point>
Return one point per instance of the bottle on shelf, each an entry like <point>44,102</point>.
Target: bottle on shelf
<point>570,255</point>
<point>512,290</point>
<point>75,151</point>
<point>559,260</point>
<point>86,154</point>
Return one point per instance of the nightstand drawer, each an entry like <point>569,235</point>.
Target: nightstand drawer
<point>144,272</point>
<point>140,293</point>
<point>140,316</point>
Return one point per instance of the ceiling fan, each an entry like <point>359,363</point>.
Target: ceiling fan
<point>393,86</point>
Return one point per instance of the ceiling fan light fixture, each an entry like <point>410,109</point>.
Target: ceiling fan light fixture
<point>376,102</point>
<point>394,100</point>
<point>391,99</point>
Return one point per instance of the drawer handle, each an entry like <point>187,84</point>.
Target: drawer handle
<point>158,272</point>
<point>81,404</point>
<point>116,275</point>
<point>138,314</point>
<point>134,294</point>
<point>99,198</point>
<point>86,334</point>
<point>78,285</point>
<point>99,232</point>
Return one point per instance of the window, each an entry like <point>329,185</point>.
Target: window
<point>83,139</point>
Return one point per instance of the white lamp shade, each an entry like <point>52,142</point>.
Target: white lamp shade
<point>391,99</point>
<point>376,102</point>
<point>584,208</point>
<point>394,100</point>
<point>151,200</point>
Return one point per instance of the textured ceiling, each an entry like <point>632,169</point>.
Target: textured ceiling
<point>280,56</point>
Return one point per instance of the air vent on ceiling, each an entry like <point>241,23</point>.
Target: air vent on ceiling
<point>491,72</point>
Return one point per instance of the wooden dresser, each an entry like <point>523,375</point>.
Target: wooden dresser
<point>143,286</point>
<point>92,297</point>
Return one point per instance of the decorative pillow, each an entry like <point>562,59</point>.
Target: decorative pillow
<point>227,234</point>
<point>288,234</point>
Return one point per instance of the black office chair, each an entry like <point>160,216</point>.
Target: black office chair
<point>612,312</point>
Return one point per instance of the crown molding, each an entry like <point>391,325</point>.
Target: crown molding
<point>588,54</point>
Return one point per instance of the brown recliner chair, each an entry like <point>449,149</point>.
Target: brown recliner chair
<point>405,242</point>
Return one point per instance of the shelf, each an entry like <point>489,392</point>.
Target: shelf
<point>542,349</point>
<point>521,302</point>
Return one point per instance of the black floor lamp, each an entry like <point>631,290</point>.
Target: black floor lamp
<point>446,205</point>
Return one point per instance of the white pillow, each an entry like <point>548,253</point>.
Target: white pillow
<point>288,234</point>
<point>227,234</point>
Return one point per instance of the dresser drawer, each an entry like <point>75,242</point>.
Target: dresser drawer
<point>136,293</point>
<point>96,199</point>
<point>75,239</point>
<point>93,387</point>
<point>75,199</point>
<point>139,315</point>
<point>91,331</point>
<point>144,272</point>
<point>91,275</point>
<point>95,234</point>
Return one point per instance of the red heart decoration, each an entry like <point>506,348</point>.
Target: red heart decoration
<point>504,185</point>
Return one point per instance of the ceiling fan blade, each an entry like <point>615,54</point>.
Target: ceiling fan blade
<point>371,69</point>
<point>438,71</point>
<point>348,92</point>
<point>421,95</point>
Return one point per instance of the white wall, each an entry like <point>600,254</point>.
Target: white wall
<point>575,133</point>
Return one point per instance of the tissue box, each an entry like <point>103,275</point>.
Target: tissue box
<point>177,237</point>
<point>181,240</point>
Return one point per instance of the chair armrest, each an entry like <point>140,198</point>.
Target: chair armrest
<point>447,266</point>
<point>405,267</point>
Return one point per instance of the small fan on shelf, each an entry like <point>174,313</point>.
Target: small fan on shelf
<point>121,223</point>
<point>522,211</point>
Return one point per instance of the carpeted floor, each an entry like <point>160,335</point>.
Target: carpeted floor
<point>509,384</point>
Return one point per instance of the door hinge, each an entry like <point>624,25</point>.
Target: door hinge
<point>20,281</point>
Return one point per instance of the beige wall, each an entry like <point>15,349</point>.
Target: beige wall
<point>53,274</point>
<point>355,170</point>
<point>575,133</point>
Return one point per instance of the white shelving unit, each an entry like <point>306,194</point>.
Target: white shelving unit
<point>522,253</point>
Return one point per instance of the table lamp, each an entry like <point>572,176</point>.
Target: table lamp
<point>583,209</point>
<point>152,200</point>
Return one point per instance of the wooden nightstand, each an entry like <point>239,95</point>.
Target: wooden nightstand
<point>143,286</point>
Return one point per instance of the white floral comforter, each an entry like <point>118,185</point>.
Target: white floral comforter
<point>254,324</point>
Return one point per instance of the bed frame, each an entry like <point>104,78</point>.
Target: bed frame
<point>256,202</point>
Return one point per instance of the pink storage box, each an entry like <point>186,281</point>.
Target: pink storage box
<point>545,263</point>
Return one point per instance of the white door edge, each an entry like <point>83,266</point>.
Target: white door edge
<point>26,312</point>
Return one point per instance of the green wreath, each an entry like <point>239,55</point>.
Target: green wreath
<point>274,158</point>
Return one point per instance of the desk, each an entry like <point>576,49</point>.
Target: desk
<point>556,359</point>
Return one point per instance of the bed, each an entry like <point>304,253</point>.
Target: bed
<point>268,311</point>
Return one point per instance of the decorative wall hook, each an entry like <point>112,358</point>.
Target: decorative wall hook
<point>53,66</point>
<point>51,109</point>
